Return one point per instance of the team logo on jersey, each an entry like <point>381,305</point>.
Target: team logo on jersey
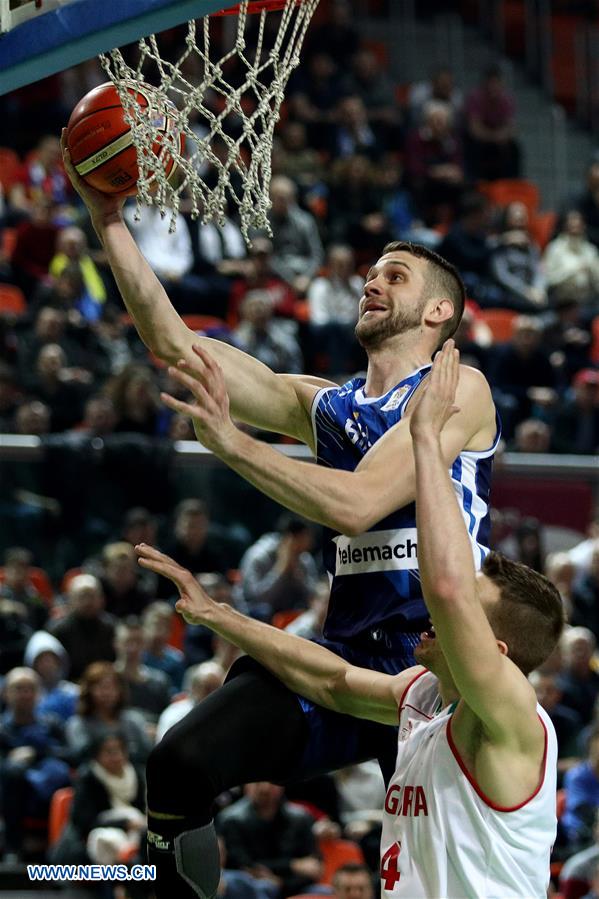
<point>357,433</point>
<point>395,399</point>
<point>393,550</point>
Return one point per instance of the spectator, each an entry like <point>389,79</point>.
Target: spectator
<point>375,89</point>
<point>114,341</point>
<point>106,816</point>
<point>353,881</point>
<point>99,417</point>
<point>61,388</point>
<point>298,252</point>
<point>47,657</point>
<point>580,869</point>
<point>157,623</point>
<point>516,262</point>
<point>136,400</point>
<point>440,86</point>
<point>434,164</point>
<point>270,838</point>
<point>333,299</point>
<point>580,682</point>
<point>532,436</point>
<point>581,785</point>
<point>10,396</point>
<point>585,597</point>
<point>86,631</point>
<point>260,275</point>
<point>353,134</point>
<point>561,571</point>
<point>337,35</point>
<point>278,572</point>
<point>17,586</point>
<point>194,545</point>
<point>582,553</point>
<point>577,418</point>
<point>567,338</point>
<point>148,690</point>
<point>295,158</point>
<point>313,93</point>
<point>572,263</point>
<point>121,578</point>
<point>268,339</point>
<point>199,682</point>
<point>102,707</point>
<point>170,253</point>
<point>43,176</point>
<point>467,246</point>
<point>14,635</point>
<point>240,884</point>
<point>566,721</point>
<point>32,757</point>
<point>521,374</point>
<point>51,327</point>
<point>35,245</point>
<point>72,252</point>
<point>140,526</point>
<point>587,202</point>
<point>354,209</point>
<point>490,127</point>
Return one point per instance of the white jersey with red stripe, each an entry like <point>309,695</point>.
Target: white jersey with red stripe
<point>442,838</point>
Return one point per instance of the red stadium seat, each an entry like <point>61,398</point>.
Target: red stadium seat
<point>60,807</point>
<point>511,190</point>
<point>500,321</point>
<point>12,300</point>
<point>595,343</point>
<point>10,166</point>
<point>542,226</point>
<point>282,619</point>
<point>40,581</point>
<point>336,853</point>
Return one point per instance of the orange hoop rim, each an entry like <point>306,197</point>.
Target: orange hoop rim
<point>256,6</point>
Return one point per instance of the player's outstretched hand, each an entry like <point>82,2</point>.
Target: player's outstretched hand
<point>194,603</point>
<point>103,208</point>
<point>209,410</point>
<point>437,396</point>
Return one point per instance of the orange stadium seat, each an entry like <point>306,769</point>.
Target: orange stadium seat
<point>500,321</point>
<point>336,853</point>
<point>510,190</point>
<point>60,807</point>
<point>282,619</point>
<point>12,300</point>
<point>595,340</point>
<point>542,226</point>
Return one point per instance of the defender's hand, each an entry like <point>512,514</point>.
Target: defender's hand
<point>194,603</point>
<point>204,379</point>
<point>103,208</point>
<point>436,406</point>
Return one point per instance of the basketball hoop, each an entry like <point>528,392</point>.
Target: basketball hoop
<point>228,125</point>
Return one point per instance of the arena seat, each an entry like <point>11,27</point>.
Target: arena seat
<point>60,807</point>
<point>595,342</point>
<point>282,619</point>
<point>500,321</point>
<point>336,853</point>
<point>10,166</point>
<point>542,226</point>
<point>511,190</point>
<point>12,300</point>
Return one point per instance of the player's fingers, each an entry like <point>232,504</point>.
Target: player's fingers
<point>193,367</point>
<point>191,381</point>
<point>179,406</point>
<point>206,358</point>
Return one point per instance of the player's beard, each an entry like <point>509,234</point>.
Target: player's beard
<point>371,333</point>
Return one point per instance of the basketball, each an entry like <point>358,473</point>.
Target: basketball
<point>101,143</point>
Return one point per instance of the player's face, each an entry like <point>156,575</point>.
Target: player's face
<point>392,302</point>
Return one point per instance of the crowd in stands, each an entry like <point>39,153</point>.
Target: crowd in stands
<point>95,664</point>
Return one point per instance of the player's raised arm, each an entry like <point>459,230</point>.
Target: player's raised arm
<point>303,666</point>
<point>258,396</point>
<point>347,501</point>
<point>459,601</point>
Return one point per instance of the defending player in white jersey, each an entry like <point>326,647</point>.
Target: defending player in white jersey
<point>470,811</point>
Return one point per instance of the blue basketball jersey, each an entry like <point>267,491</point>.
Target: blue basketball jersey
<point>375,578</point>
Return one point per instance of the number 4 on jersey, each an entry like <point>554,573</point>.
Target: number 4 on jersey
<point>389,871</point>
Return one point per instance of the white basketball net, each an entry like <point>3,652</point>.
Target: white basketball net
<point>216,157</point>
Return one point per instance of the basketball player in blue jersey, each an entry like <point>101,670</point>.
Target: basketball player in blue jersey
<point>362,491</point>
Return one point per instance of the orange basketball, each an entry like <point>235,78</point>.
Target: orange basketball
<point>100,140</point>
